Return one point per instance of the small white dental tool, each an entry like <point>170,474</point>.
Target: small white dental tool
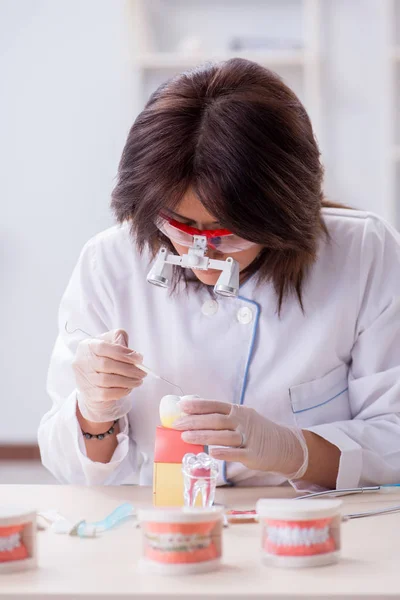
<point>138,365</point>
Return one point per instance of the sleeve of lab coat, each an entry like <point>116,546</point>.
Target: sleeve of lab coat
<point>370,442</point>
<point>86,304</point>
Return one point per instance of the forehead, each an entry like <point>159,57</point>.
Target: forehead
<point>191,208</point>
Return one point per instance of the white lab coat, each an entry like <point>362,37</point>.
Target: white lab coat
<point>334,370</point>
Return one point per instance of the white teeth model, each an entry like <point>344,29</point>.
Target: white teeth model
<point>170,411</point>
<point>9,543</point>
<point>172,542</point>
<point>296,536</point>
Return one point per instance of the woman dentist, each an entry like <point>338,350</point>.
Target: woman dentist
<point>299,373</point>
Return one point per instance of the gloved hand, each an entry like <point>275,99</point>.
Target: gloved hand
<point>105,374</point>
<point>253,440</point>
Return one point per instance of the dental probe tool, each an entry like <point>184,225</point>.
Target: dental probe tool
<point>138,365</point>
<point>348,491</point>
<point>373,513</point>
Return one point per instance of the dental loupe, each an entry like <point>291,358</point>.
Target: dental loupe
<point>228,282</point>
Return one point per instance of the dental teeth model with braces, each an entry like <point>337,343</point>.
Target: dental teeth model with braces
<point>200,472</point>
<point>17,540</point>
<point>178,541</point>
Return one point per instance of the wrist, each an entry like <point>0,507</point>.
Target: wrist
<point>301,452</point>
<point>323,461</point>
<point>91,426</point>
<point>293,454</point>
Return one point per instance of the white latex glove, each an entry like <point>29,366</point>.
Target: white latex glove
<point>105,375</point>
<point>253,440</point>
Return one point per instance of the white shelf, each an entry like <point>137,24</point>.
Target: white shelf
<point>299,64</point>
<point>176,60</point>
<point>396,153</point>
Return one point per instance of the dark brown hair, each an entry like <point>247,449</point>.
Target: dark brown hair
<point>242,140</point>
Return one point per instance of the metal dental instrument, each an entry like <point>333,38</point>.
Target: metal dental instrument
<point>360,490</point>
<point>342,492</point>
<point>349,491</point>
<point>373,513</point>
<point>75,330</point>
<point>138,365</point>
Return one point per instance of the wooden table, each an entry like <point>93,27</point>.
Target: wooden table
<point>106,567</point>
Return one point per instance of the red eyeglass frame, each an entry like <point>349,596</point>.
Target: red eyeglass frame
<point>208,233</point>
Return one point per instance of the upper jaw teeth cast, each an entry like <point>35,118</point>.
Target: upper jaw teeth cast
<point>9,543</point>
<point>297,536</point>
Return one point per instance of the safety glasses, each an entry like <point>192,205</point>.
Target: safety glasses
<point>222,240</point>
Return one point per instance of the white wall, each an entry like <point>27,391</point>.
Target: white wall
<point>355,102</point>
<point>66,103</point>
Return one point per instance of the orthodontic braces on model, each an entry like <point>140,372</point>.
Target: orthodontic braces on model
<point>161,271</point>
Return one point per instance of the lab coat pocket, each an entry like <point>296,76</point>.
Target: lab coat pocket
<point>323,400</point>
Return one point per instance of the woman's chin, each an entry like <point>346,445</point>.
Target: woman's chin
<point>209,277</point>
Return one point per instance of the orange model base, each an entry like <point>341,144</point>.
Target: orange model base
<point>167,476</point>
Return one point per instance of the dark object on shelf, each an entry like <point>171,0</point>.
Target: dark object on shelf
<point>240,43</point>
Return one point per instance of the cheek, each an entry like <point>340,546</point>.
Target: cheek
<point>180,249</point>
<point>246,257</point>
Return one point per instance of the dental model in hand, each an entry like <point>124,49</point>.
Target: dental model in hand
<point>170,411</point>
<point>200,472</point>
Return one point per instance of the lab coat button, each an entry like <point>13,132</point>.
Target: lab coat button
<point>245,315</point>
<point>209,308</point>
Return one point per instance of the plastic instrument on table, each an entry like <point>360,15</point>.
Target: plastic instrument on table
<point>241,516</point>
<point>138,365</point>
<point>60,524</point>
<point>119,515</point>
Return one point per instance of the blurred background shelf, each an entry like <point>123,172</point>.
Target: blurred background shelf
<point>307,43</point>
<point>176,60</point>
<point>170,36</point>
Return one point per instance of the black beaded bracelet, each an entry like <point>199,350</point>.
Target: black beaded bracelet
<point>100,436</point>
